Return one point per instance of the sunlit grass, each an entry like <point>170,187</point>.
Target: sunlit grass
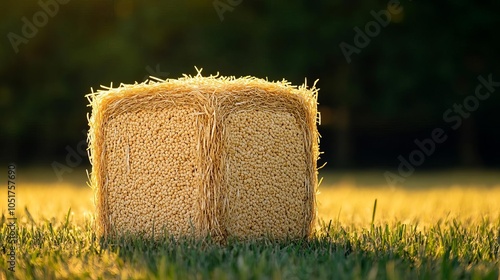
<point>52,201</point>
<point>345,199</point>
<point>433,227</point>
<point>349,204</point>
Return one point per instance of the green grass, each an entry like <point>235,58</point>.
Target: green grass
<point>447,250</point>
<point>411,233</point>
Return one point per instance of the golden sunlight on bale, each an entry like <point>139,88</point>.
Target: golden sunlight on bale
<point>205,156</point>
<point>266,174</point>
<point>152,170</point>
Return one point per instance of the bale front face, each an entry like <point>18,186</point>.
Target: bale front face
<point>150,157</point>
<point>219,156</point>
<point>266,174</point>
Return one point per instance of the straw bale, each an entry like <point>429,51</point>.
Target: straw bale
<point>219,156</point>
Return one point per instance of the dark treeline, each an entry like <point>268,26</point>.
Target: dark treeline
<point>395,76</point>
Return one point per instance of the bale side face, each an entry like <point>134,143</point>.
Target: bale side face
<point>266,173</point>
<point>151,171</point>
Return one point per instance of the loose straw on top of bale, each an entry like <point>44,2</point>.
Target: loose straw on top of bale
<point>213,99</point>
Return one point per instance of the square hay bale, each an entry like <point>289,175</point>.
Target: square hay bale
<point>201,156</point>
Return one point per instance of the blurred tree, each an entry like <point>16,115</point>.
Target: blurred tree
<point>395,89</point>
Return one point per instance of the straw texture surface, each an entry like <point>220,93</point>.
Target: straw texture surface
<point>219,156</point>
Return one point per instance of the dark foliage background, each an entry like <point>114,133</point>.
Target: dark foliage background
<point>395,90</point>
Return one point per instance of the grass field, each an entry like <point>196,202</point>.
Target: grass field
<point>437,226</point>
